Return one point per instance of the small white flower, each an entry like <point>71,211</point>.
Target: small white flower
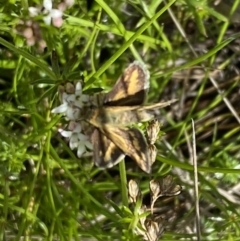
<point>49,12</point>
<point>34,11</point>
<point>77,140</point>
<point>68,107</point>
<point>63,107</point>
<point>71,106</point>
<point>72,103</point>
<point>83,144</point>
<point>64,133</point>
<point>81,99</point>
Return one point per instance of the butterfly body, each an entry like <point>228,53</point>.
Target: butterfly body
<point>123,115</point>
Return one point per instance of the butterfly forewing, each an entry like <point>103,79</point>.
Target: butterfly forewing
<point>131,88</point>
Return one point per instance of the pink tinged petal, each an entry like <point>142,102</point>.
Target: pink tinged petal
<point>74,126</point>
<point>69,3</point>
<point>57,22</point>
<point>62,6</point>
<point>28,33</point>
<point>78,128</point>
<point>60,109</point>
<point>47,4</point>
<point>81,150</point>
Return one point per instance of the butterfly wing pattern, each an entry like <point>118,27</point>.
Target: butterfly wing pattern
<point>112,139</point>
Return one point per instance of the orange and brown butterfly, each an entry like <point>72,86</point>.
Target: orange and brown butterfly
<point>113,137</point>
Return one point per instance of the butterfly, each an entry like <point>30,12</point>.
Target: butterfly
<point>113,136</point>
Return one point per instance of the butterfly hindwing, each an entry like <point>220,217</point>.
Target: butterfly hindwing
<point>132,143</point>
<point>105,153</point>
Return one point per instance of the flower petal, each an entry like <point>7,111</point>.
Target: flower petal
<point>57,22</point>
<point>81,150</point>
<point>47,4</point>
<point>85,98</point>
<point>64,97</point>
<point>82,137</point>
<point>69,3</point>
<point>89,145</point>
<point>73,143</point>
<point>55,13</point>
<point>64,133</point>
<point>77,128</point>
<point>71,98</point>
<point>33,11</point>
<point>60,109</point>
<point>72,113</point>
<point>78,103</point>
<point>78,88</point>
<point>47,19</point>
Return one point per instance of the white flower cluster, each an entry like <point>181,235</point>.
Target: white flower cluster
<point>73,100</point>
<point>51,14</point>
